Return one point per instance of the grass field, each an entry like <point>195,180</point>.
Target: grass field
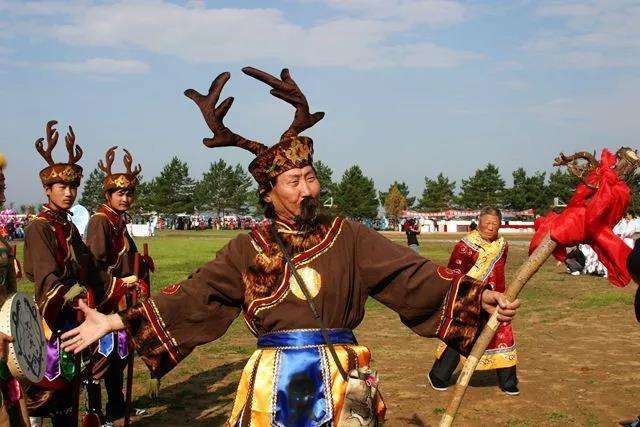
<point>577,347</point>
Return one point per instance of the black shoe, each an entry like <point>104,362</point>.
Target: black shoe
<point>436,384</point>
<point>511,390</point>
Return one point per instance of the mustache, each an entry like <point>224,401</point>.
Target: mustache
<point>308,211</point>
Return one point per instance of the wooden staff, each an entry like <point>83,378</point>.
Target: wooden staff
<point>526,271</point>
<point>16,264</point>
<point>77,383</point>
<point>127,409</point>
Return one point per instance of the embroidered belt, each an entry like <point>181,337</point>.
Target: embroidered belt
<point>298,338</point>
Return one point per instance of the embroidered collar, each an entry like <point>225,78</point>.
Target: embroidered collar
<point>113,215</point>
<point>61,216</point>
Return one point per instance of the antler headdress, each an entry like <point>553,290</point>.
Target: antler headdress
<point>292,151</point>
<point>119,181</point>
<point>66,173</point>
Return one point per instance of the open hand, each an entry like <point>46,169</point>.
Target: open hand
<point>506,310</point>
<point>95,326</point>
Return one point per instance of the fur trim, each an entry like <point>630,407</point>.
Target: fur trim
<point>263,278</point>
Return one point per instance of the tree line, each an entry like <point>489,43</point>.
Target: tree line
<point>225,188</point>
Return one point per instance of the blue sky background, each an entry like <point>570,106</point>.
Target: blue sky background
<point>410,88</point>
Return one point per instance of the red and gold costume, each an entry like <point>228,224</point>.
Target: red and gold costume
<point>486,262</point>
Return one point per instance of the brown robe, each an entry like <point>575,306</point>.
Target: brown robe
<point>114,252</point>
<point>55,258</point>
<point>344,264</point>
<point>111,245</point>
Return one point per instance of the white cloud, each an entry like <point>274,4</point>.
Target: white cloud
<point>357,37</point>
<point>102,66</point>
<point>431,12</point>
<point>592,34</point>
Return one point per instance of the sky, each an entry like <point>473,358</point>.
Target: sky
<point>410,88</point>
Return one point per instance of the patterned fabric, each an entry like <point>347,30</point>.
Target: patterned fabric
<point>61,173</point>
<point>462,315</point>
<point>486,261</point>
<point>151,338</point>
<point>289,153</point>
<point>288,368</point>
<point>120,181</point>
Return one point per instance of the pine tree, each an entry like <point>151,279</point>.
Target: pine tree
<point>172,191</point>
<point>325,178</point>
<point>92,192</point>
<point>484,188</point>
<point>527,192</point>
<point>240,186</point>
<point>561,185</point>
<point>437,194</point>
<point>212,191</point>
<point>355,195</point>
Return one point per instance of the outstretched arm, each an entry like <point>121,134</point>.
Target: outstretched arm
<point>167,327</point>
<point>95,326</point>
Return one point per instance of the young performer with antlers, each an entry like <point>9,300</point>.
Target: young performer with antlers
<point>61,267</point>
<point>114,251</point>
<point>302,282</point>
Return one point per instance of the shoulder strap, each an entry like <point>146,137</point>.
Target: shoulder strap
<point>312,306</point>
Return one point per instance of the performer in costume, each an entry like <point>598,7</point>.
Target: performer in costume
<point>13,408</point>
<point>114,252</point>
<point>60,265</point>
<point>482,254</point>
<point>292,379</point>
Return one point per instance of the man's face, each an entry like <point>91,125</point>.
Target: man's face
<point>120,200</point>
<point>61,196</point>
<point>290,189</point>
<point>488,227</point>
<point>2,187</point>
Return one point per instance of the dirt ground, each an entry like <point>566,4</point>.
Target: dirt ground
<point>578,345</point>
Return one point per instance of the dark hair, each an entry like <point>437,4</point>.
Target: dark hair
<point>490,210</point>
<point>113,190</point>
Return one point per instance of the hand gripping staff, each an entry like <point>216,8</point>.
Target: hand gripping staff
<point>528,269</point>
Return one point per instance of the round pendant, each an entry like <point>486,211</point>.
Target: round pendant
<point>311,279</point>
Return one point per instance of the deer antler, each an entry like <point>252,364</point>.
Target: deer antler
<point>213,116</point>
<point>52,140</point>
<point>627,163</point>
<point>70,141</point>
<point>286,89</point>
<point>576,169</point>
<point>128,161</point>
<point>110,156</point>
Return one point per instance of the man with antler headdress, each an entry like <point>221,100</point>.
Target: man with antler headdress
<point>61,267</point>
<point>114,252</point>
<point>290,276</point>
<point>13,409</point>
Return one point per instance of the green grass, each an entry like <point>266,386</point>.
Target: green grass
<point>600,300</point>
<point>205,382</point>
